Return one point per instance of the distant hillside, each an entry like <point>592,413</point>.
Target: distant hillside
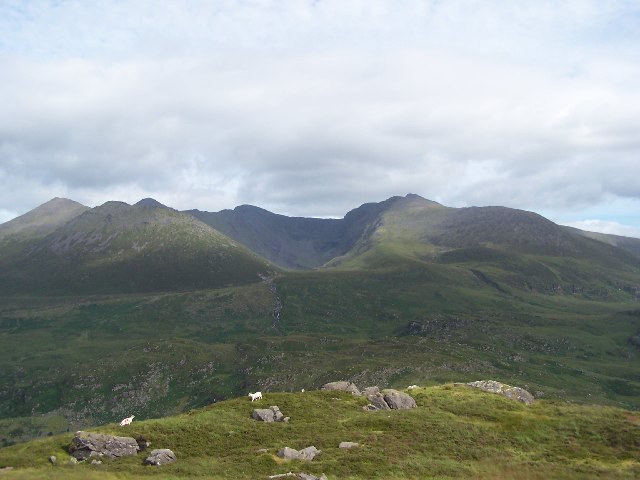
<point>504,246</point>
<point>629,244</point>
<point>118,247</point>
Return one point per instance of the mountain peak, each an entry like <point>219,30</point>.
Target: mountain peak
<point>43,219</point>
<point>150,202</point>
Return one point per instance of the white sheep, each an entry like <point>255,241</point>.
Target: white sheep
<point>256,396</point>
<point>411,387</point>
<point>126,421</point>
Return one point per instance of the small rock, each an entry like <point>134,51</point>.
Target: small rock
<point>348,445</point>
<point>289,454</point>
<point>73,460</point>
<point>343,386</point>
<point>271,414</point>
<point>96,462</point>
<point>307,454</point>
<point>307,476</point>
<point>160,456</point>
<point>53,459</point>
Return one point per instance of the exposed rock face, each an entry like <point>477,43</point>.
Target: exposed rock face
<point>160,456</point>
<point>512,393</point>
<point>306,454</point>
<point>271,414</point>
<point>398,400</point>
<point>343,386</point>
<point>88,444</point>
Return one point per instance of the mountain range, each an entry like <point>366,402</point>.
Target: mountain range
<point>65,247</point>
<point>142,309</point>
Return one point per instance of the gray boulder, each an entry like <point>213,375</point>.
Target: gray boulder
<point>306,454</point>
<point>309,453</point>
<point>342,386</point>
<point>160,456</point>
<point>512,393</point>
<point>398,400</point>
<point>88,444</point>
<point>271,414</point>
<point>376,402</point>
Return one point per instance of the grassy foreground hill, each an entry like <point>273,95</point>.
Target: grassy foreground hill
<point>455,432</point>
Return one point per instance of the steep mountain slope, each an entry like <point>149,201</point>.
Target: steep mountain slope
<point>42,220</point>
<point>118,247</point>
<point>296,242</point>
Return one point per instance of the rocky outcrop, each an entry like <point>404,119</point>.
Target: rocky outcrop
<point>306,454</point>
<point>160,456</point>
<point>87,444</point>
<point>342,386</point>
<point>271,414</point>
<point>388,399</point>
<point>512,393</point>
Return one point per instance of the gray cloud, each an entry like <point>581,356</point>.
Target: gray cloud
<point>313,108</point>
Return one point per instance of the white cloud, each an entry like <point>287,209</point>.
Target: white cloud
<point>602,226</point>
<point>311,108</point>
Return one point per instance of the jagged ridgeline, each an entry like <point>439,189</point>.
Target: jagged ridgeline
<point>64,248</point>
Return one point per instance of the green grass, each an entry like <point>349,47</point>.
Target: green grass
<point>456,432</point>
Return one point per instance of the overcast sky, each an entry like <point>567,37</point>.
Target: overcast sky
<point>311,108</point>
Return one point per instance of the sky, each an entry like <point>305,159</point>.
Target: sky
<point>311,108</point>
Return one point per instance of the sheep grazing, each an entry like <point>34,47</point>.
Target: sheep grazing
<point>411,387</point>
<point>256,396</point>
<point>127,421</point>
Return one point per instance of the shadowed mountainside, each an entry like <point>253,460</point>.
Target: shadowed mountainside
<point>118,247</point>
